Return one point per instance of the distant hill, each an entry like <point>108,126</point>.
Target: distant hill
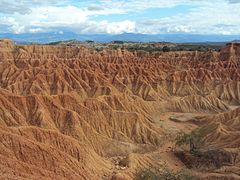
<point>174,38</point>
<point>236,41</point>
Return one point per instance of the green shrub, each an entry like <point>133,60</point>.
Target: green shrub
<point>165,174</point>
<point>186,174</point>
<point>166,49</point>
<point>194,140</point>
<point>147,175</point>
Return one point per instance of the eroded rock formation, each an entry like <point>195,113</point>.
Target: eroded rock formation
<point>65,110</point>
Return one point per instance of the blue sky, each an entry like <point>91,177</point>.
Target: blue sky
<point>121,16</point>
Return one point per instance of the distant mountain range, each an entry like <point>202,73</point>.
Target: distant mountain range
<point>174,38</point>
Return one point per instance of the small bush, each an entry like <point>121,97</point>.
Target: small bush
<point>166,49</point>
<point>183,139</point>
<point>165,174</point>
<point>194,140</point>
<point>147,175</point>
<point>186,174</point>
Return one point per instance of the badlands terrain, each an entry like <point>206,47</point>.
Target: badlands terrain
<point>70,112</point>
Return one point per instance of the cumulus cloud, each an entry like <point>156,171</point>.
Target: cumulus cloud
<point>220,17</point>
<point>22,6</point>
<point>72,18</point>
<point>205,17</point>
<point>111,27</point>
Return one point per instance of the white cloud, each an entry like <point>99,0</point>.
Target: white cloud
<point>70,17</point>
<point>218,17</point>
<point>35,30</point>
<point>45,18</point>
<point>23,6</point>
<point>110,27</point>
<point>118,27</point>
<point>210,18</point>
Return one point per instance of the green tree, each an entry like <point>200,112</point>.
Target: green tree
<point>166,49</point>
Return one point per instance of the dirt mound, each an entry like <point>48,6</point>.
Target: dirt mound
<point>231,53</point>
<point>223,130</point>
<point>30,152</point>
<point>6,49</point>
